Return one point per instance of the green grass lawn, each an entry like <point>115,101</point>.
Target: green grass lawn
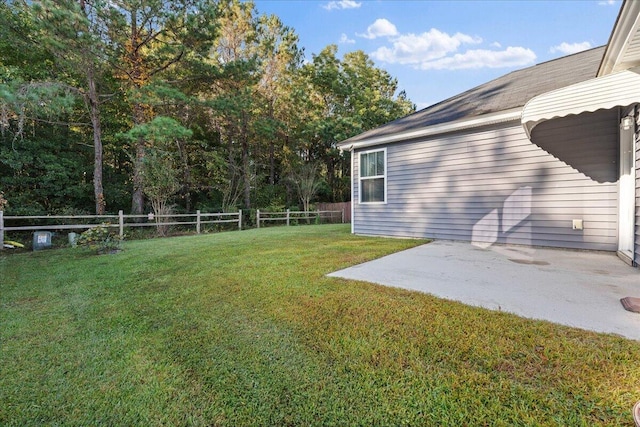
<point>243,328</point>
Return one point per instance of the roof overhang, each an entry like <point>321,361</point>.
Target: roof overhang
<point>616,90</point>
<point>623,48</point>
<point>433,130</point>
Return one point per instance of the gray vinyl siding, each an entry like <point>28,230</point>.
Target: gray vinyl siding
<point>450,187</point>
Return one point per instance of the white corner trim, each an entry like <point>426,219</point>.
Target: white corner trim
<point>353,186</point>
<point>468,123</point>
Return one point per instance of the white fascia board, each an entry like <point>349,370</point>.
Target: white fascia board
<point>625,28</point>
<point>458,125</point>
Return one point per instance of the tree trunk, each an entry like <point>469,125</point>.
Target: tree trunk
<point>272,163</point>
<point>186,174</point>
<point>331,176</point>
<point>97,141</point>
<point>94,106</point>
<point>137,77</point>
<point>230,158</point>
<point>272,151</point>
<point>137,197</point>
<point>246,173</point>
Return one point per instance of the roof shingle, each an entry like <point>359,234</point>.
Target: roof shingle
<point>504,93</point>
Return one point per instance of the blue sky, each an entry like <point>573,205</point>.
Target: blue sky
<point>437,49</point>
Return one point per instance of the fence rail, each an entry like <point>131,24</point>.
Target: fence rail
<point>60,222</point>
<point>122,221</point>
<point>289,215</point>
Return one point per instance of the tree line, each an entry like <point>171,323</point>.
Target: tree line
<point>175,105</point>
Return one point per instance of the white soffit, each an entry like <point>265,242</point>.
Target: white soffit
<point>615,90</point>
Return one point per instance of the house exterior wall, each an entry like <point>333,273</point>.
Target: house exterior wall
<point>493,185</point>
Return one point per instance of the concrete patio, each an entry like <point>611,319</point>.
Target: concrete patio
<point>574,288</point>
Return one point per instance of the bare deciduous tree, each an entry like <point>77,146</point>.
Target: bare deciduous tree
<point>306,181</point>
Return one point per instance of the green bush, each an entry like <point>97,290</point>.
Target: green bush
<point>102,240</point>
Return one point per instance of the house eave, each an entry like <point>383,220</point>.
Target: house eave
<point>625,32</point>
<point>439,129</point>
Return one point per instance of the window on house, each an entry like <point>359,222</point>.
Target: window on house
<point>373,176</point>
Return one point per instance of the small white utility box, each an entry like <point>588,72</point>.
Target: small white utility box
<point>41,240</point>
<point>73,239</point>
<point>577,224</point>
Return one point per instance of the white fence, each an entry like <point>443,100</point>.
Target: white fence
<point>120,221</point>
<point>288,216</point>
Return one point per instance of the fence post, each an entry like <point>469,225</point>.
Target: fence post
<point>240,219</point>
<point>121,223</point>
<point>288,216</point>
<point>258,218</point>
<point>1,230</point>
<point>342,211</point>
<point>318,217</point>
<point>198,221</point>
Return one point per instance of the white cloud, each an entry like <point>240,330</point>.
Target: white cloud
<point>380,28</point>
<point>342,4</point>
<point>482,58</point>
<point>607,3</point>
<point>437,50</point>
<point>344,39</point>
<point>569,48</point>
<point>416,49</point>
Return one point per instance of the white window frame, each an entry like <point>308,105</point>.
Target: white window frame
<point>365,178</point>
